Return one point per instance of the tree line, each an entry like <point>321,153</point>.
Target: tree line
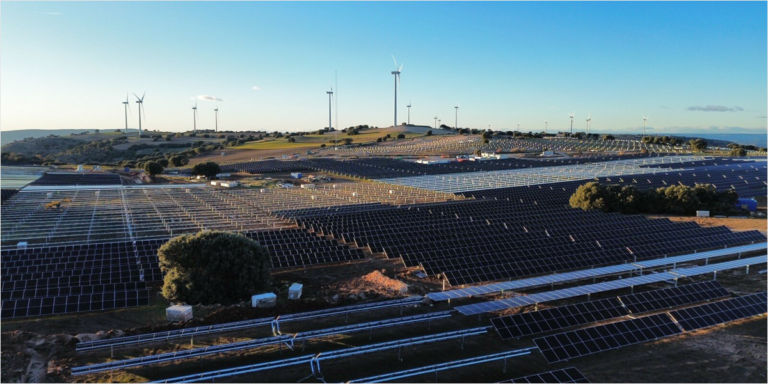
<point>674,199</point>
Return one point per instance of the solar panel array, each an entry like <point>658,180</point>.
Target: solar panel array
<point>708,315</point>
<point>62,179</point>
<point>521,301</point>
<point>747,179</point>
<point>76,278</point>
<point>582,342</point>
<point>635,267</point>
<point>476,241</point>
<point>565,375</point>
<point>7,193</point>
<point>673,297</point>
<point>266,166</point>
<point>434,368</point>
<point>336,354</point>
<point>380,168</point>
<point>531,323</point>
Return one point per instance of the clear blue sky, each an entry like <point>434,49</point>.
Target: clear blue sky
<point>691,66</point>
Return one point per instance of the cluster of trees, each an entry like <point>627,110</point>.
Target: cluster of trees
<point>738,150</point>
<point>675,199</point>
<point>665,140</point>
<point>208,169</point>
<point>698,145</point>
<point>213,267</point>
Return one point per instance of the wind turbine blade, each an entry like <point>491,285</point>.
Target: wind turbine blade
<point>401,67</point>
<point>137,96</point>
<point>142,96</point>
<point>395,60</point>
<point>143,111</point>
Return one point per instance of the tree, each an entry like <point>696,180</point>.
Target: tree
<point>401,136</point>
<point>487,135</point>
<point>608,137</point>
<point>698,144</point>
<point>208,169</point>
<point>178,161</point>
<point>738,152</point>
<point>163,162</point>
<point>153,168</point>
<point>429,133</point>
<point>213,267</point>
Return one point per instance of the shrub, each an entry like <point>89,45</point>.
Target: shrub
<point>208,169</point>
<point>213,268</point>
<point>698,144</point>
<point>152,168</point>
<point>401,136</point>
<point>738,152</point>
<point>429,133</point>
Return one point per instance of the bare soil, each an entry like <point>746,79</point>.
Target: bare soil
<point>734,224</point>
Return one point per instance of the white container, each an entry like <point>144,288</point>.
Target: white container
<point>702,213</point>
<point>229,184</point>
<point>179,313</point>
<point>308,186</point>
<point>296,175</point>
<point>214,182</point>
<point>294,292</point>
<point>264,300</point>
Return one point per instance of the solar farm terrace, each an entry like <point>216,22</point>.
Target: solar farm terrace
<point>441,269</point>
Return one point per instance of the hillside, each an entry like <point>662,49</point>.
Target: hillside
<point>10,136</point>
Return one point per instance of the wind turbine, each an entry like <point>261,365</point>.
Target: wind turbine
<point>571,115</point>
<point>330,103</point>
<point>194,117</point>
<point>409,112</point>
<point>546,125</point>
<point>456,121</point>
<point>435,122</point>
<point>589,122</point>
<point>396,72</point>
<point>518,127</point>
<point>439,121</point>
<point>217,117</point>
<point>645,118</point>
<point>126,106</point>
<point>140,102</point>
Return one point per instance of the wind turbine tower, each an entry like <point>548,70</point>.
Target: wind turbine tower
<point>435,122</point>
<point>546,125</point>
<point>140,102</point>
<point>396,72</point>
<point>126,106</point>
<point>571,115</point>
<point>589,123</point>
<point>194,117</point>
<point>409,112</point>
<point>217,117</point>
<point>645,118</point>
<point>456,119</point>
<point>330,103</point>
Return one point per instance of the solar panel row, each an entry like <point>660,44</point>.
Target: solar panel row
<point>531,323</point>
<point>721,312</point>
<point>582,342</point>
<point>565,375</point>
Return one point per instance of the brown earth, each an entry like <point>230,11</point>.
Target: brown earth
<point>734,224</point>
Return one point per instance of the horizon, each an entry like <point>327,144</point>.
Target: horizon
<point>521,63</point>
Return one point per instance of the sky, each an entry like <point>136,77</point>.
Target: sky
<point>692,67</point>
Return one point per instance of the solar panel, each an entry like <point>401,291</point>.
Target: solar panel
<point>490,306</point>
<point>673,297</point>
<point>443,366</point>
<point>708,315</point>
<point>589,273</point>
<point>582,342</point>
<point>531,323</point>
<point>565,375</point>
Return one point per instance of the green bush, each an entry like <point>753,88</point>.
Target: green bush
<point>738,152</point>
<point>208,169</point>
<point>152,168</point>
<point>213,268</point>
